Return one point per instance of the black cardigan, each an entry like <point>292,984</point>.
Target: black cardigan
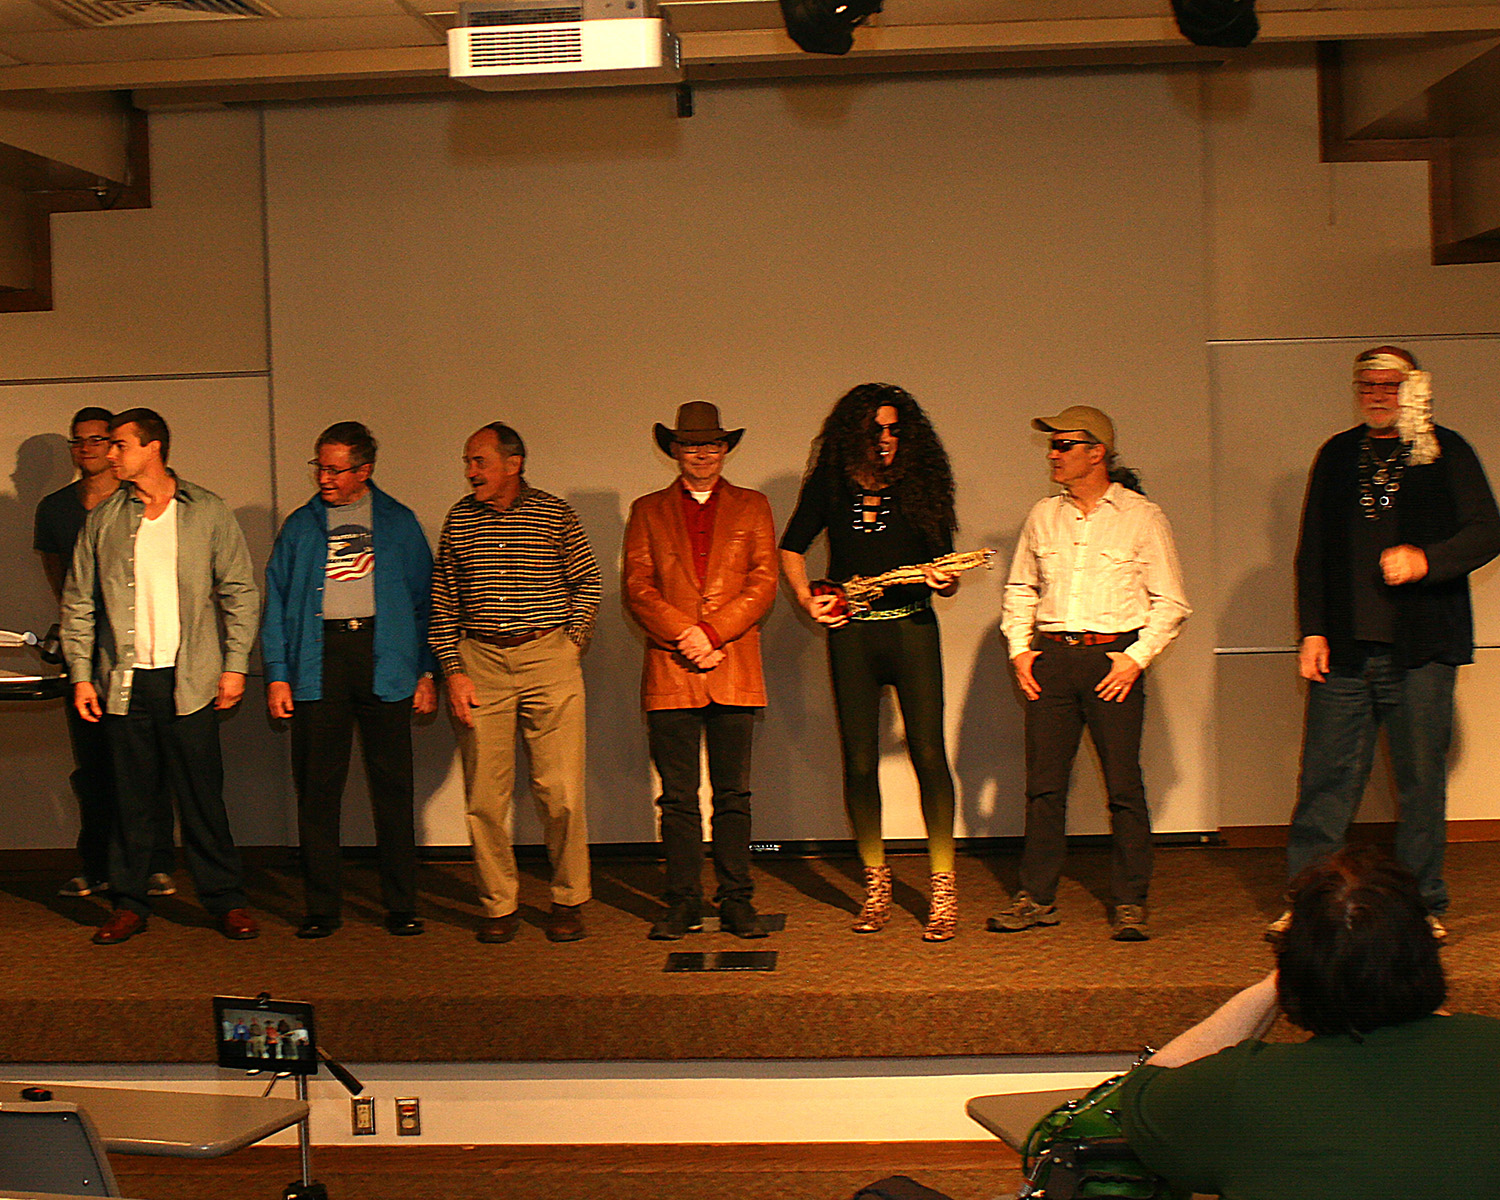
<point>1445,507</point>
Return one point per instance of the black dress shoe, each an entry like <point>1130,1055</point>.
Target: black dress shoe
<point>682,918</point>
<point>318,927</point>
<point>403,924</point>
<point>499,929</point>
<point>740,918</point>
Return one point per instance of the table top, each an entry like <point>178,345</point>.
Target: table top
<point>173,1124</point>
<point>17,685</point>
<point>1011,1117</point>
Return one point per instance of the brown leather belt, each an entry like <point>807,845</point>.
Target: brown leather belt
<point>508,643</point>
<point>1081,639</point>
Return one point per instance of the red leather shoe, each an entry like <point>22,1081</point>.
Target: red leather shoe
<point>239,925</point>
<point>123,924</point>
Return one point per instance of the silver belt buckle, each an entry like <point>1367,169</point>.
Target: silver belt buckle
<point>354,624</point>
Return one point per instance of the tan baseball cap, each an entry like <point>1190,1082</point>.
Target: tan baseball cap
<point>1080,416</point>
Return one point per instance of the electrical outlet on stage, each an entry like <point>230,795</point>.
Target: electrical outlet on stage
<point>408,1116</point>
<point>362,1112</point>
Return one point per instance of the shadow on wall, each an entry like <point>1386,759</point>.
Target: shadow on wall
<point>42,465</point>
<point>989,757</point>
<point>533,127</point>
<point>1244,620</point>
<point>620,798</point>
<point>798,777</point>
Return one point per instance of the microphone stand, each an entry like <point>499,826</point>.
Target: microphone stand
<point>308,1188</point>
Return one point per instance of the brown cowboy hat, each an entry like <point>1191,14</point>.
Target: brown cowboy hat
<point>697,422</point>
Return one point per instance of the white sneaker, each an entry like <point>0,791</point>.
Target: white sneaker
<point>80,885</point>
<point>160,884</point>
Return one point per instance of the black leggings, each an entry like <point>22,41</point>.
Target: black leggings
<point>865,656</point>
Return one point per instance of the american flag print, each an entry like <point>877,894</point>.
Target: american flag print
<point>351,553</point>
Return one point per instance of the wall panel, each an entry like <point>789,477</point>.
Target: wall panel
<point>580,264</point>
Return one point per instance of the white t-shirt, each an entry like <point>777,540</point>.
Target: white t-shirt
<point>158,626</point>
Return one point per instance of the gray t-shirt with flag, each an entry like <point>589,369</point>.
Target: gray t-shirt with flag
<point>349,590</point>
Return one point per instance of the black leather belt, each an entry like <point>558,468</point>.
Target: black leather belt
<point>348,624</point>
<point>509,643</point>
<point>1081,639</point>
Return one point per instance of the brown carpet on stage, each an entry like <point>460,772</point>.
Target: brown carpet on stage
<point>835,994</point>
<point>964,1170</point>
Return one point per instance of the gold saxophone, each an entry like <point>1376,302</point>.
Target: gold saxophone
<point>858,592</point>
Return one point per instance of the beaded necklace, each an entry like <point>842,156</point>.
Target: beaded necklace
<point>1380,479</point>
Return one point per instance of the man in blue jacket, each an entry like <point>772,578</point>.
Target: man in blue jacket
<point>348,592</point>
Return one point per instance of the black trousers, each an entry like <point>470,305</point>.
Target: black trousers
<point>676,736</point>
<point>153,749</point>
<point>322,740</point>
<point>864,658</point>
<point>1067,676</point>
<point>93,781</point>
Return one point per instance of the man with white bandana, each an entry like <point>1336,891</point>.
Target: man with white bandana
<point>1398,513</point>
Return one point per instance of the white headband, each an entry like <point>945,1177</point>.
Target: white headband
<point>1414,424</point>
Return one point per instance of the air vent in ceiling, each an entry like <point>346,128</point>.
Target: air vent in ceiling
<point>93,14</point>
<point>543,15</point>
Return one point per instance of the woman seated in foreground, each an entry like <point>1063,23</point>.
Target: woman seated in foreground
<point>1390,1099</point>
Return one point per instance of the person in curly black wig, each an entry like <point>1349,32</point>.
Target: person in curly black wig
<point>919,474</point>
<point>881,485</point>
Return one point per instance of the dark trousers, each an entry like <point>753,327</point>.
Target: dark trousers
<point>1344,715</point>
<point>864,657</point>
<point>322,739</point>
<point>676,736</point>
<point>93,781</point>
<point>153,749</point>
<point>1055,722</point>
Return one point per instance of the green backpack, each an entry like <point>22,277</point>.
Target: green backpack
<point>1078,1150</point>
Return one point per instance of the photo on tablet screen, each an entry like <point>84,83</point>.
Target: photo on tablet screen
<point>265,1035</point>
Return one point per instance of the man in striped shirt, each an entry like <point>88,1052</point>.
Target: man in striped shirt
<point>515,593</point>
<point>1094,595</point>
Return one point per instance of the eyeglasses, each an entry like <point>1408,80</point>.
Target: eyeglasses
<point>319,470</point>
<point>1062,445</point>
<point>1391,388</point>
<point>89,443</point>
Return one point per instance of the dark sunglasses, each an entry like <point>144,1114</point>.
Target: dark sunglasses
<point>1065,444</point>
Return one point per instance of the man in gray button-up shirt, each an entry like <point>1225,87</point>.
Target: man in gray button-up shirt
<point>154,681</point>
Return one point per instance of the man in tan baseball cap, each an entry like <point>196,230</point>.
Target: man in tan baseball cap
<point>1080,418</point>
<point>1094,594</point>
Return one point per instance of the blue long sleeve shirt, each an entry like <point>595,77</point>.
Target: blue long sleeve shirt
<point>292,631</point>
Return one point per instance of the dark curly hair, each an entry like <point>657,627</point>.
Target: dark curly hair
<point>1359,953</point>
<point>920,476</point>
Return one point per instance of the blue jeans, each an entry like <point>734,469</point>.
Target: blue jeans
<point>1344,715</point>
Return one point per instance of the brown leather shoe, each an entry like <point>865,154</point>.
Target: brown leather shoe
<point>123,924</point>
<point>239,925</point>
<point>565,924</point>
<point>499,929</point>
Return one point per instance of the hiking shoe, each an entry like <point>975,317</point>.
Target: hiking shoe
<point>1022,913</point>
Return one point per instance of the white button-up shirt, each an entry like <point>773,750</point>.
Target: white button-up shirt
<point>1110,571</point>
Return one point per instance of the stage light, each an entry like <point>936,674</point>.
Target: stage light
<point>1217,22</point>
<point>825,26</point>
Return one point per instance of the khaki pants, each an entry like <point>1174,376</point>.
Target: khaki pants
<point>537,687</point>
